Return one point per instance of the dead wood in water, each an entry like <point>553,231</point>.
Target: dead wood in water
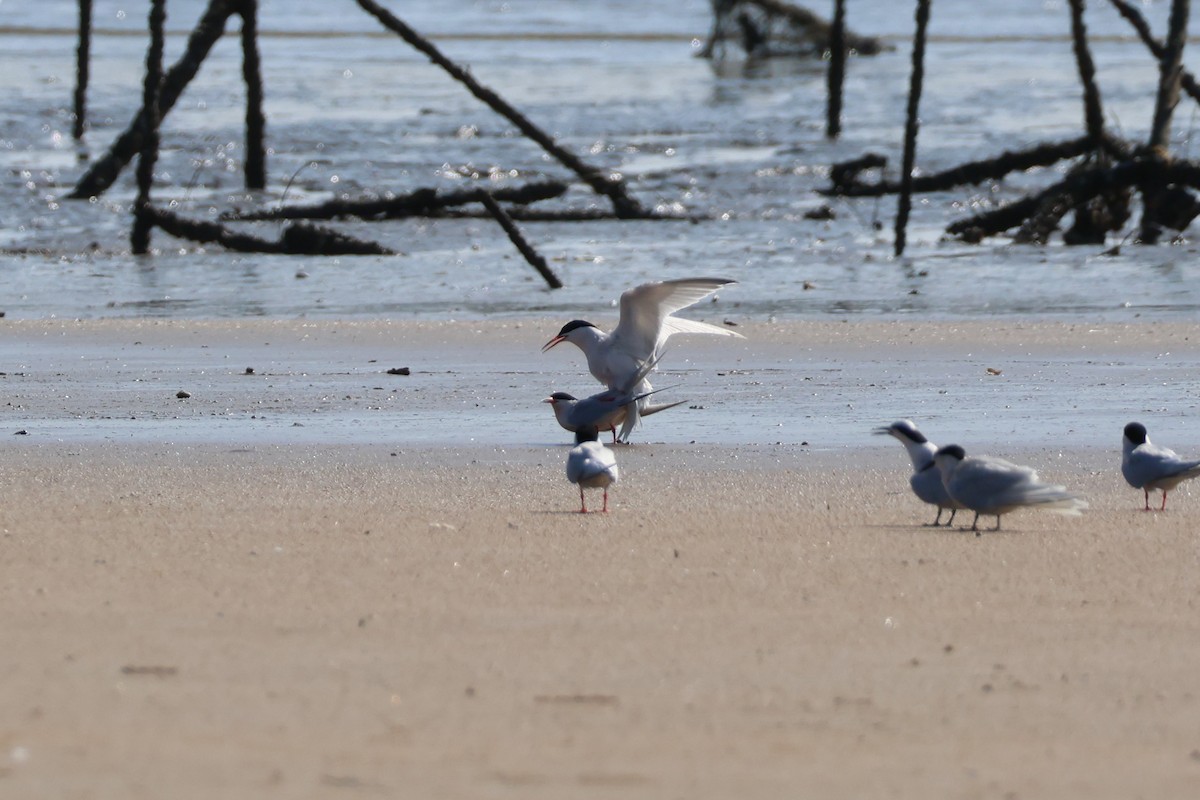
<point>297,238</point>
<point>911,125</point>
<point>1186,80</point>
<point>1098,190</point>
<point>1154,207</point>
<point>837,71</point>
<point>1106,211</point>
<point>82,66</point>
<point>527,214</point>
<point>1081,186</point>
<point>764,28</point>
<point>1170,69</point>
<point>139,237</point>
<point>845,176</point>
<point>255,166</point>
<point>207,32</point>
<point>611,187</point>
<point>422,202</point>
<point>1093,113</point>
<point>518,239</point>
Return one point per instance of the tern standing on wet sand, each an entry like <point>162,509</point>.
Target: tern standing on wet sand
<point>590,464</point>
<point>993,486</point>
<point>1147,466</point>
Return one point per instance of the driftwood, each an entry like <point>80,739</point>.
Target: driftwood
<point>911,125</point>
<point>771,27</point>
<point>1171,67</point>
<point>1080,187</point>
<point>105,171</point>
<point>1154,210</point>
<point>837,71</point>
<point>207,32</point>
<point>1092,111</point>
<point>422,202</point>
<point>298,238</point>
<point>527,214</point>
<point>82,68</point>
<point>845,180</point>
<point>255,166</point>
<point>142,220</point>
<point>1186,80</point>
<point>1107,211</point>
<point>1099,189</point>
<point>518,239</point>
<point>614,188</point>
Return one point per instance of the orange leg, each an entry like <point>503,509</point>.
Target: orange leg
<point>605,509</point>
<point>582,502</point>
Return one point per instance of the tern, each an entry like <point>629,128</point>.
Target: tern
<point>1147,466</point>
<point>646,322</point>
<point>926,480</point>
<point>590,464</point>
<point>993,486</point>
<point>603,410</point>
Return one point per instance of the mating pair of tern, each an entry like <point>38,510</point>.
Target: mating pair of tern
<point>947,478</point>
<point>622,360</point>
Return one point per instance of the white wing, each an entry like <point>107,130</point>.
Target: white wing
<point>646,321</point>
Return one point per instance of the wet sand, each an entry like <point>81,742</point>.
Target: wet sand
<point>289,585</point>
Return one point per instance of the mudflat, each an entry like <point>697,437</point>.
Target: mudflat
<point>288,584</point>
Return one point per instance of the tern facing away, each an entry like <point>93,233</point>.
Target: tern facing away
<point>591,464</point>
<point>645,324</point>
<point>926,480</point>
<point>993,486</point>
<point>1147,466</point>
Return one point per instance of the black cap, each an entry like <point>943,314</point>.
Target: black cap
<point>1136,432</point>
<point>952,450</point>
<point>575,324</point>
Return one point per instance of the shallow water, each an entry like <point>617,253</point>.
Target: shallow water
<point>352,110</point>
<point>776,397</point>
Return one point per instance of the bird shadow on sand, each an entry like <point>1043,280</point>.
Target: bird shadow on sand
<point>955,530</point>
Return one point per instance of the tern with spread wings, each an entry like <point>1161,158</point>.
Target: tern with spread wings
<point>647,320</point>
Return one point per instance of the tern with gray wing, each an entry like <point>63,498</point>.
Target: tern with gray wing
<point>926,480</point>
<point>993,486</point>
<point>1147,466</point>
<point>591,465</point>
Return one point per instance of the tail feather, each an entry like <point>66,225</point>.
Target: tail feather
<point>654,408</point>
<point>672,325</point>
<point>1058,500</point>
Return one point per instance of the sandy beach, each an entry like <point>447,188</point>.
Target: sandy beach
<point>319,579</point>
